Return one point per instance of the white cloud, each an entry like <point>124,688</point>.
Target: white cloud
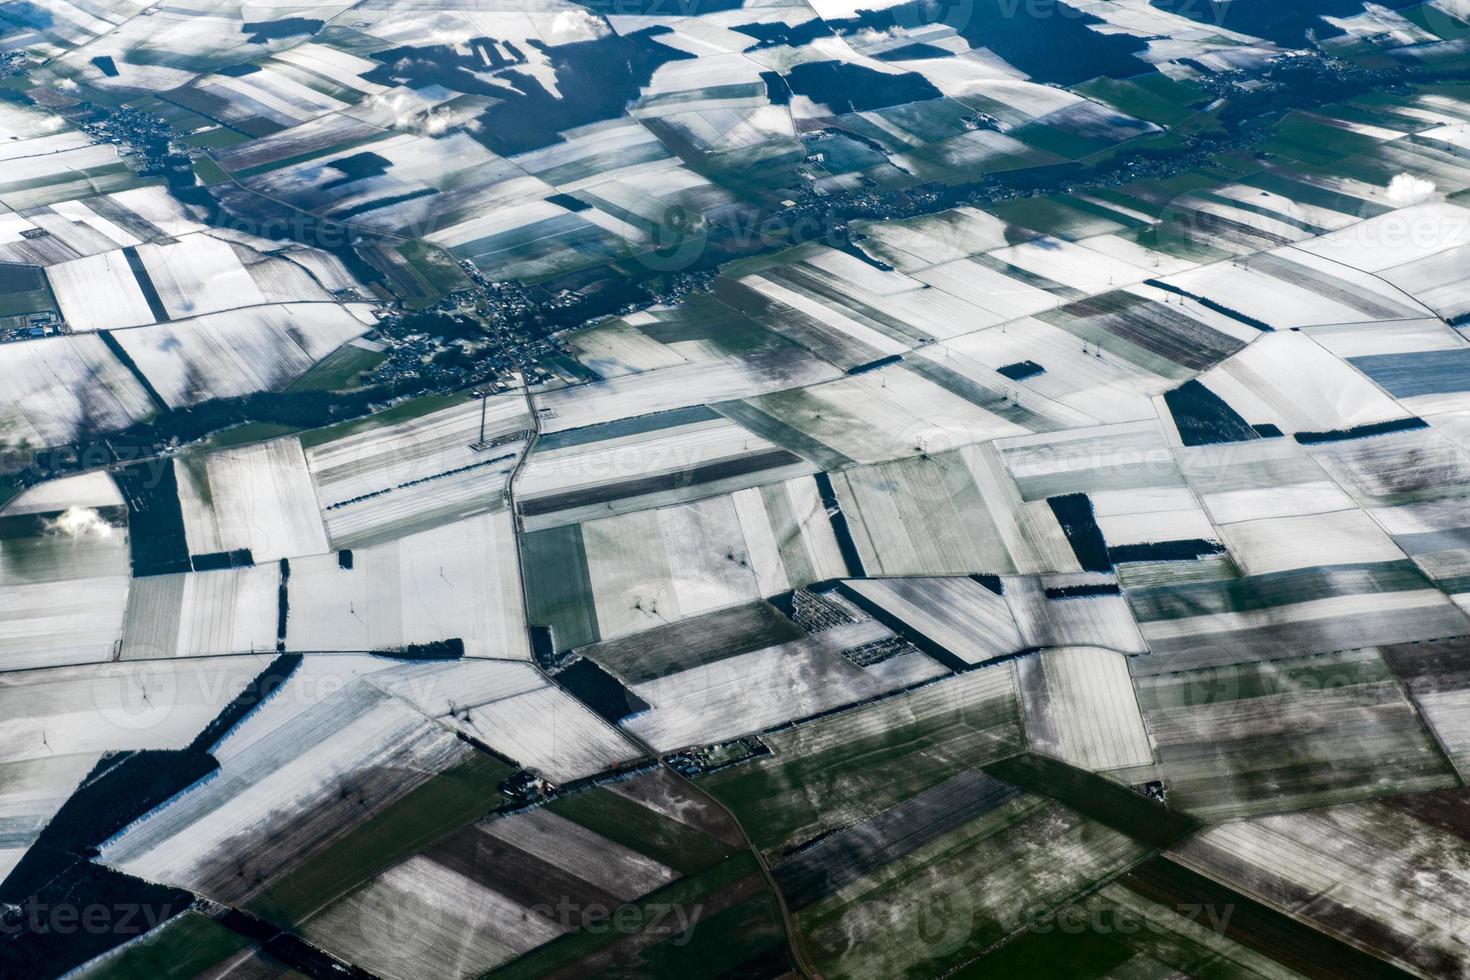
<point>441,120</point>
<point>455,37</point>
<point>1408,189</point>
<point>576,25</point>
<point>412,114</point>
<point>869,35</point>
<point>81,522</point>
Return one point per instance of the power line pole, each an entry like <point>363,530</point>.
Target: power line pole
<point>479,445</point>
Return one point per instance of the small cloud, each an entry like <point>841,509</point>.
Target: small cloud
<point>81,522</point>
<point>455,37</point>
<point>435,122</point>
<point>66,85</point>
<point>410,115</point>
<point>1408,189</point>
<point>576,25</point>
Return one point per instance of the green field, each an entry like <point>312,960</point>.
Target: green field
<point>217,138</point>
<point>339,370</point>
<point>209,172</point>
<point>847,767</point>
<point>559,586</point>
<point>1155,97</point>
<point>243,435</point>
<point>442,804</point>
<point>690,893</point>
<point>942,904</point>
<point>23,290</point>
<point>434,266</point>
<point>640,829</point>
<point>1301,138</point>
<point>406,411</point>
<point>184,947</point>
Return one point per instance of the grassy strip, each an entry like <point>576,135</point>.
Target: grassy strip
<point>444,803</point>
<point>404,412</point>
<point>559,585</point>
<point>799,793</point>
<point>1291,943</point>
<point>640,829</point>
<point>1053,953</point>
<point>720,942</point>
<point>1093,796</point>
<point>341,369</point>
<point>184,948</point>
<point>685,893</point>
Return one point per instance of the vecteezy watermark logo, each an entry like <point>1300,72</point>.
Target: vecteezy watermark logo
<point>40,918</point>
<point>1107,919</point>
<point>35,464</point>
<point>946,923</point>
<point>679,239</point>
<point>397,924</point>
<point>646,8</point>
<point>928,441</point>
<point>951,920</point>
<point>1212,684</point>
<point>954,14</point>
<point>672,920</point>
